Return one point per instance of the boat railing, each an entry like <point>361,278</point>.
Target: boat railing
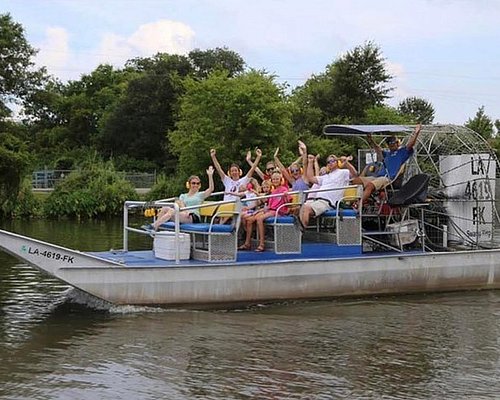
<point>302,194</point>
<point>170,202</point>
<point>297,198</point>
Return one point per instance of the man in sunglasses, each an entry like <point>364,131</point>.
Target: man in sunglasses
<point>339,172</point>
<point>392,158</point>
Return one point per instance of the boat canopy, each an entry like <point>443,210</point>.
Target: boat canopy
<point>354,130</point>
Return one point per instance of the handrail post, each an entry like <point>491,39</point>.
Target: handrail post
<point>177,233</point>
<point>125,226</point>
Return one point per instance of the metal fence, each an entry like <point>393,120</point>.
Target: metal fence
<point>140,179</point>
<point>47,179</point>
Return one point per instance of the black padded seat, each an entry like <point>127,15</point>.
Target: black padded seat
<point>412,192</point>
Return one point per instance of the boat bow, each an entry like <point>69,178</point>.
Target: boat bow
<point>46,256</point>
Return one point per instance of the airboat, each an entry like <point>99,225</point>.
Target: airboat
<point>433,234</point>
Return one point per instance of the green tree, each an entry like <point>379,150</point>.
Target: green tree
<point>342,94</point>
<point>495,141</point>
<point>18,77</point>
<point>377,115</point>
<point>481,124</point>
<point>232,115</point>
<point>205,62</point>
<point>18,80</point>
<point>14,165</point>
<point>419,110</point>
<point>137,126</point>
<point>65,117</point>
<point>381,115</point>
<point>44,109</point>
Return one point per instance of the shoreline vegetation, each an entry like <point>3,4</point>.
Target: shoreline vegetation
<point>165,112</point>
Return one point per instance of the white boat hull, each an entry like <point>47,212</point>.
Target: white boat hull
<point>204,284</point>
<point>289,280</point>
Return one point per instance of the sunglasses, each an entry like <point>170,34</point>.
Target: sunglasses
<point>294,170</point>
<point>331,161</point>
<point>195,183</point>
<point>270,169</point>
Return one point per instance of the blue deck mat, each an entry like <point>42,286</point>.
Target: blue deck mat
<point>145,258</point>
<point>309,250</point>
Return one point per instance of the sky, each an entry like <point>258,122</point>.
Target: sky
<point>444,51</point>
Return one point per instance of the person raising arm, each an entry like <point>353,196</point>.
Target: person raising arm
<point>234,178</point>
<point>337,177</point>
<point>392,159</point>
<point>270,167</point>
<point>192,198</point>
<point>294,174</point>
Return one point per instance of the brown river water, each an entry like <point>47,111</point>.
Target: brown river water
<point>57,343</point>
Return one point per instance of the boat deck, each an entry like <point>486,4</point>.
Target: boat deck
<point>146,258</point>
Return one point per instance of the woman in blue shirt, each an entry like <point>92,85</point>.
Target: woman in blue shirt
<point>192,198</point>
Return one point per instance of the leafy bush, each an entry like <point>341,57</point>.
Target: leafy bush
<point>126,163</point>
<point>23,204</point>
<point>95,190</point>
<point>27,204</point>
<point>64,163</point>
<point>14,164</point>
<point>165,187</point>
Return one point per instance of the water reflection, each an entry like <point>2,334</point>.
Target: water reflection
<point>375,348</point>
<point>93,235</point>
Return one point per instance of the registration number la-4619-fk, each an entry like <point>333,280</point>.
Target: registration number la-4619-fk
<point>53,255</point>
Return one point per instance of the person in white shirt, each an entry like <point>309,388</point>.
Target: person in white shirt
<point>338,176</point>
<point>322,171</point>
<point>234,179</point>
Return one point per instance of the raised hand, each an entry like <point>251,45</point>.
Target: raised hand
<point>276,152</point>
<point>341,161</point>
<point>210,170</point>
<point>212,152</point>
<point>249,156</point>
<point>258,152</point>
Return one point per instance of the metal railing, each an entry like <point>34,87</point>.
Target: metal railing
<point>48,178</point>
<point>140,179</point>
